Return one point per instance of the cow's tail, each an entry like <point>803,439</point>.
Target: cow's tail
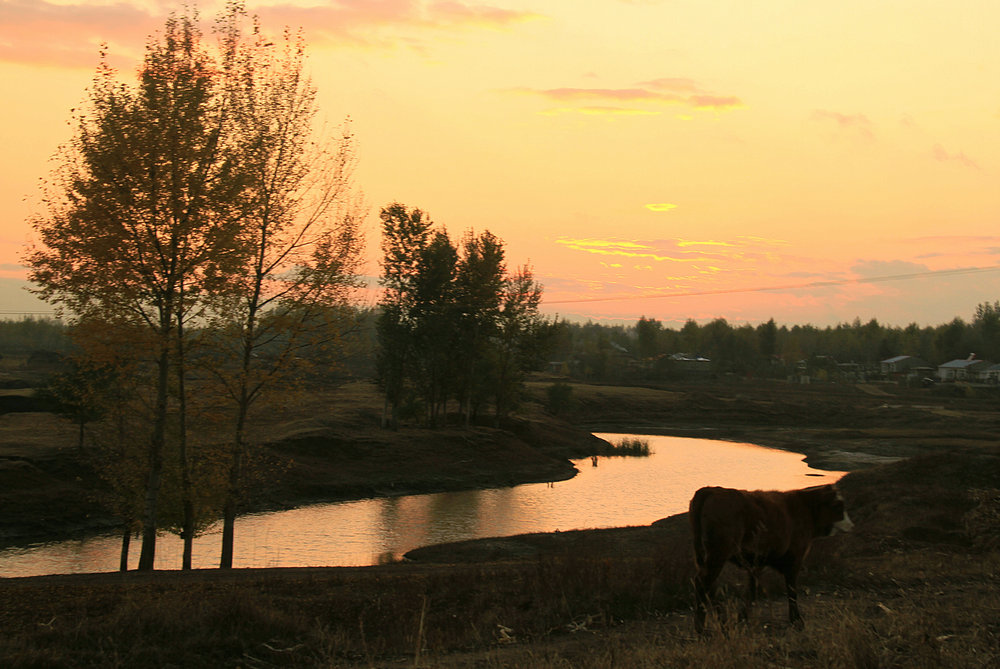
<point>694,515</point>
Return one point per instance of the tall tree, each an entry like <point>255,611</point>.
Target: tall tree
<point>452,323</point>
<point>405,233</point>
<point>301,228</point>
<point>647,331</point>
<point>144,210</point>
<point>523,338</point>
<point>479,291</point>
<point>433,320</point>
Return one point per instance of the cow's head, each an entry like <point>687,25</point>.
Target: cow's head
<point>829,511</point>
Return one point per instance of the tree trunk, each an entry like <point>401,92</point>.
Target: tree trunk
<point>229,510</point>
<point>187,488</point>
<point>235,468</point>
<point>147,556</point>
<point>126,543</point>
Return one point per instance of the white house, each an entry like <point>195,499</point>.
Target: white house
<point>991,374</point>
<point>966,369</point>
<point>903,364</point>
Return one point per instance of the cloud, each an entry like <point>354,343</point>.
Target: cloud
<point>685,242</point>
<point>867,269</point>
<point>960,250</point>
<point>599,111</point>
<point>943,156</point>
<point>47,33</point>
<point>664,91</point>
<point>739,250</point>
<point>389,23</point>
<point>69,35</point>
<point>857,123</point>
<point>716,102</point>
<point>616,94</point>
<point>675,84</point>
<point>661,206</point>
<point>481,16</point>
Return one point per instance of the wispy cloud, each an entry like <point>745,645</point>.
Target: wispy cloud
<point>378,24</point>
<point>859,124</point>
<point>742,249</point>
<point>943,156</point>
<point>599,111</point>
<point>615,94</point>
<point>716,102</point>
<point>661,206</point>
<point>480,16</point>
<point>675,84</point>
<point>640,97</point>
<point>68,35</point>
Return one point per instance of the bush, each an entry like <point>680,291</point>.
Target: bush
<point>630,446</point>
<point>558,398</point>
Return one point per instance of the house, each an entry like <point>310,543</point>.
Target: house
<point>966,369</point>
<point>691,363</point>
<point>991,374</point>
<point>901,365</point>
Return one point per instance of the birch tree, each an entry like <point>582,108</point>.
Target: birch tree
<point>301,231</point>
<point>405,235</point>
<point>142,215</point>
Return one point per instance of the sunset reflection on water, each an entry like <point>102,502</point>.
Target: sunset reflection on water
<point>618,492</point>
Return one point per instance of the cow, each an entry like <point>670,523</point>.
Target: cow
<point>757,529</point>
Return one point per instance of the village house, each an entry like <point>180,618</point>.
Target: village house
<point>905,367</point>
<point>991,374</point>
<point>967,369</point>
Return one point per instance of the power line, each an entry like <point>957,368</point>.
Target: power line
<point>27,313</point>
<point>789,286</point>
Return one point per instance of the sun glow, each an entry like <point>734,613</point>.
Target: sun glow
<point>558,125</point>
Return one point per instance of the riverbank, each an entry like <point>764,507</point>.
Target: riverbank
<point>913,585</point>
<point>841,427</point>
<point>320,446</point>
<point>328,446</point>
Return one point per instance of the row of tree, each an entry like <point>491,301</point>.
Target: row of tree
<point>204,242</point>
<point>453,324</point>
<point>199,234</point>
<point>603,352</point>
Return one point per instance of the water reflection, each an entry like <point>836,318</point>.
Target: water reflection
<point>618,492</point>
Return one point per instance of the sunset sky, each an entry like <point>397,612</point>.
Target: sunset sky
<point>808,161</point>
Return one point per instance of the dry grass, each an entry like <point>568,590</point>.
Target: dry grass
<point>913,586</point>
<point>886,596</point>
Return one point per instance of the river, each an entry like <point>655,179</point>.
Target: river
<point>619,491</point>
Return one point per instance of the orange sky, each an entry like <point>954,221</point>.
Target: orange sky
<point>666,158</point>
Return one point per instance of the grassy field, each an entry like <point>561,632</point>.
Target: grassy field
<point>915,585</point>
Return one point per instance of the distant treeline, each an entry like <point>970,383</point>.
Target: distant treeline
<point>32,334</point>
<point>647,349</point>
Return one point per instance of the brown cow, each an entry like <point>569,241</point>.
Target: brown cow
<point>756,529</point>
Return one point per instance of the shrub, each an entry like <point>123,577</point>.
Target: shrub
<point>558,398</point>
<point>630,446</point>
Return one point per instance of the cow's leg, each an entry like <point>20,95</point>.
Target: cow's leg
<point>793,598</point>
<point>753,575</point>
<point>704,584</point>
